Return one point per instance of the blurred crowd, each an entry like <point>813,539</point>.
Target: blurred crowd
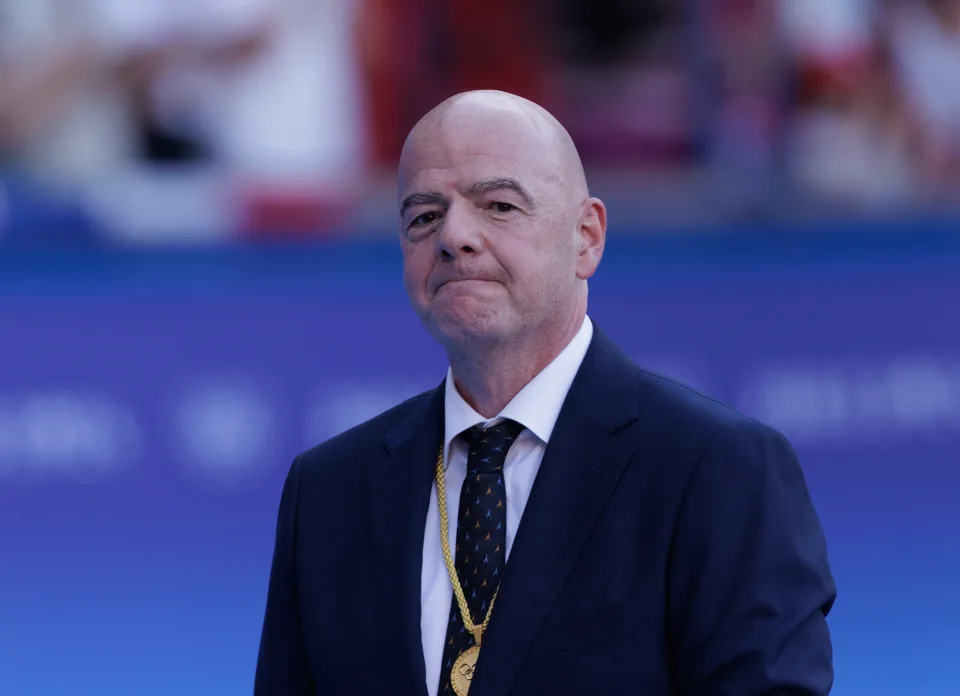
<point>167,117</point>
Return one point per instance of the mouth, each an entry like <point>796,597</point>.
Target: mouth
<point>460,282</point>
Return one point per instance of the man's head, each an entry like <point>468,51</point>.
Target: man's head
<point>498,230</point>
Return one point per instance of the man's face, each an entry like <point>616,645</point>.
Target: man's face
<point>488,228</point>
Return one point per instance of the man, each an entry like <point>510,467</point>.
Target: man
<point>607,530</point>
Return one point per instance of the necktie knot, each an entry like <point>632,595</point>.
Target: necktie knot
<point>488,445</point>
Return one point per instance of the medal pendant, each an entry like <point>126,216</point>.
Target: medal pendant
<point>462,673</point>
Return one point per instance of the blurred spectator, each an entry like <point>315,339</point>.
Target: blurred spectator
<point>253,83</point>
<point>626,82</point>
<point>925,44</point>
<point>268,96</point>
<point>849,144</point>
<point>744,104</point>
<point>260,85</point>
<point>274,115</point>
<point>62,110</point>
<point>63,117</point>
<point>415,53</point>
<point>262,91</point>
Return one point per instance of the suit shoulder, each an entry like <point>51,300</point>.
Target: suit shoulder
<point>691,415</point>
<point>683,401</point>
<point>358,440</point>
<point>694,435</point>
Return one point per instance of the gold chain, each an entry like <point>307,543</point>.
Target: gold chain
<point>448,559</point>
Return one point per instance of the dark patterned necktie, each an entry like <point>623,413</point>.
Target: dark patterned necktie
<point>480,553</point>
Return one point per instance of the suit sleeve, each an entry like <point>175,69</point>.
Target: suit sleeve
<point>750,585</point>
<point>282,665</point>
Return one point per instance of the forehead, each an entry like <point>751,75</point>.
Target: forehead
<point>460,148</point>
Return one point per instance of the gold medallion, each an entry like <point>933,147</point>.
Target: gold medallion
<point>462,673</point>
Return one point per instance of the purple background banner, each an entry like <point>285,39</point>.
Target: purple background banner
<point>151,403</point>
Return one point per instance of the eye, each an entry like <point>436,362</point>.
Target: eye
<point>502,207</point>
<point>424,219</point>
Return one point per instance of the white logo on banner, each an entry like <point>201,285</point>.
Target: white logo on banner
<point>225,429</point>
<point>70,433</point>
<point>911,394</point>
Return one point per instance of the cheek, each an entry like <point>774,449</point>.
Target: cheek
<point>416,269</point>
<point>545,264</point>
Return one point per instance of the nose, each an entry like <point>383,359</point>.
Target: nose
<point>459,234</point>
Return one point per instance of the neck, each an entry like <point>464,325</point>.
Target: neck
<point>489,377</point>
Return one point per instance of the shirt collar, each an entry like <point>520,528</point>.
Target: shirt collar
<point>536,406</point>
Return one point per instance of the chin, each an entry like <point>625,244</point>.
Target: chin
<point>466,326</point>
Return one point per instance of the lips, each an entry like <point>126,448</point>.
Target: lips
<point>462,280</point>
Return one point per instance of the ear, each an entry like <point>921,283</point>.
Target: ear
<point>591,236</point>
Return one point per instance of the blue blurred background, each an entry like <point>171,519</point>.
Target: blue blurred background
<point>199,278</point>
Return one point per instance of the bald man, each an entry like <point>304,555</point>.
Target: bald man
<point>550,519</point>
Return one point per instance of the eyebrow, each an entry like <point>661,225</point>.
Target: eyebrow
<point>483,186</point>
<point>423,198</point>
<point>502,182</point>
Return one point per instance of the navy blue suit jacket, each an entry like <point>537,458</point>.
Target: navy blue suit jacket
<point>668,547</point>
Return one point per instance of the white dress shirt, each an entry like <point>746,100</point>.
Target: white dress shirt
<point>536,407</point>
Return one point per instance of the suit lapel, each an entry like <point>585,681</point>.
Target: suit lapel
<point>399,496</point>
<point>581,468</point>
